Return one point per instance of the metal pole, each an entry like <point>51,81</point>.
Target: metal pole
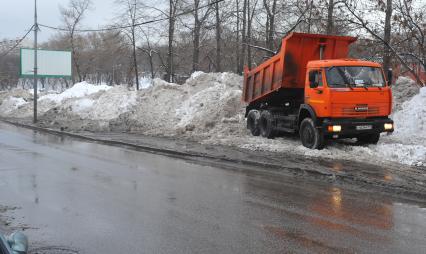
<point>35,61</point>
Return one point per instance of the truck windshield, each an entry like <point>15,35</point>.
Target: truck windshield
<point>354,76</point>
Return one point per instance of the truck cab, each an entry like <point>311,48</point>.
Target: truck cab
<point>349,98</point>
<point>311,87</point>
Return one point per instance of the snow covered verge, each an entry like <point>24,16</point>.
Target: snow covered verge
<point>207,108</point>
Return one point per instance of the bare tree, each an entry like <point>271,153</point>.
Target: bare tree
<point>387,35</point>
<point>271,11</point>
<point>72,15</point>
<point>411,18</point>
<point>363,23</point>
<point>200,17</point>
<point>130,17</point>
<point>218,39</point>
<point>330,10</point>
<point>173,4</point>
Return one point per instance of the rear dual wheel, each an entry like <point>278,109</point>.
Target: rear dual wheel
<point>253,122</point>
<point>267,124</point>
<point>261,123</point>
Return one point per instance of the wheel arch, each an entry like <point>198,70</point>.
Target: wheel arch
<point>305,111</point>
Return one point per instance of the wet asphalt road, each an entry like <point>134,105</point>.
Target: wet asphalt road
<point>90,198</point>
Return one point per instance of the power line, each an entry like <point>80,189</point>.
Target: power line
<point>137,24</point>
<point>17,43</point>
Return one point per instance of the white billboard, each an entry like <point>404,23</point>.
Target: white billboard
<point>50,63</point>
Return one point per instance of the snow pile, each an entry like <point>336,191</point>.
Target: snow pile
<point>78,90</point>
<point>18,93</point>
<point>208,106</point>
<point>202,104</point>
<point>410,121</point>
<point>109,105</point>
<point>403,90</point>
<point>9,104</point>
<point>145,82</point>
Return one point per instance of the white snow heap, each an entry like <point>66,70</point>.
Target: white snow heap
<point>403,90</point>
<point>410,121</point>
<point>197,106</point>
<point>109,105</point>
<point>145,82</point>
<point>77,91</point>
<point>11,103</point>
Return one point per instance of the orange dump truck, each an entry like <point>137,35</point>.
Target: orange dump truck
<point>312,88</point>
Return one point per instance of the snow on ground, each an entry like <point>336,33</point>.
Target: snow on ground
<point>145,82</point>
<point>10,104</point>
<point>109,105</point>
<point>410,121</point>
<point>403,90</point>
<point>208,108</point>
<point>78,90</point>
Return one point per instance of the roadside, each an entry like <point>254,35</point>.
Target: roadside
<point>207,109</point>
<point>392,178</point>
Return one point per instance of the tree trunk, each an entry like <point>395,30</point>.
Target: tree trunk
<point>387,36</point>
<point>249,30</point>
<point>135,61</point>
<point>151,64</point>
<point>270,24</point>
<point>243,38</point>
<point>218,53</point>
<point>196,38</point>
<point>238,39</point>
<point>171,35</point>
<point>330,26</point>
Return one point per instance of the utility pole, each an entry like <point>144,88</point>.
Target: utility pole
<point>35,61</point>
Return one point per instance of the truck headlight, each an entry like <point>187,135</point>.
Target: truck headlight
<point>388,126</point>
<point>334,128</point>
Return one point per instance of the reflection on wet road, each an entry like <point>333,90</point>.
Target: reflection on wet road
<point>100,199</point>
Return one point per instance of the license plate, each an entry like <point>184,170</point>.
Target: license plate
<point>364,127</point>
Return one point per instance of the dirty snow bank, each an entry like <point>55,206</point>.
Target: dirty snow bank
<point>403,90</point>
<point>199,106</point>
<point>107,106</point>
<point>10,104</point>
<point>384,152</point>
<point>410,121</point>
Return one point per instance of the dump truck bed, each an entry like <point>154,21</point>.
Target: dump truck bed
<point>287,69</point>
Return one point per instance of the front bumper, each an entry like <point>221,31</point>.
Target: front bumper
<point>354,127</point>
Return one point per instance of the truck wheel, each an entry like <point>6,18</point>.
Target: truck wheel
<point>371,138</point>
<point>266,124</point>
<point>253,122</point>
<point>311,136</point>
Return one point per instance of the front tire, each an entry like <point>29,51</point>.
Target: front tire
<point>311,136</point>
<point>370,139</point>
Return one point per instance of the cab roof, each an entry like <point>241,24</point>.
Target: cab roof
<point>341,62</point>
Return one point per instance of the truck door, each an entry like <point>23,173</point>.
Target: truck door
<point>314,91</point>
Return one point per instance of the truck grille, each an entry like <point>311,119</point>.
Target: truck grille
<point>359,110</point>
<point>353,112</point>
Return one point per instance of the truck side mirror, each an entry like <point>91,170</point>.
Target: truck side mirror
<point>390,77</point>
<point>313,83</point>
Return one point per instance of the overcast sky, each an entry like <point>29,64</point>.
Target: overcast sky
<point>17,16</point>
